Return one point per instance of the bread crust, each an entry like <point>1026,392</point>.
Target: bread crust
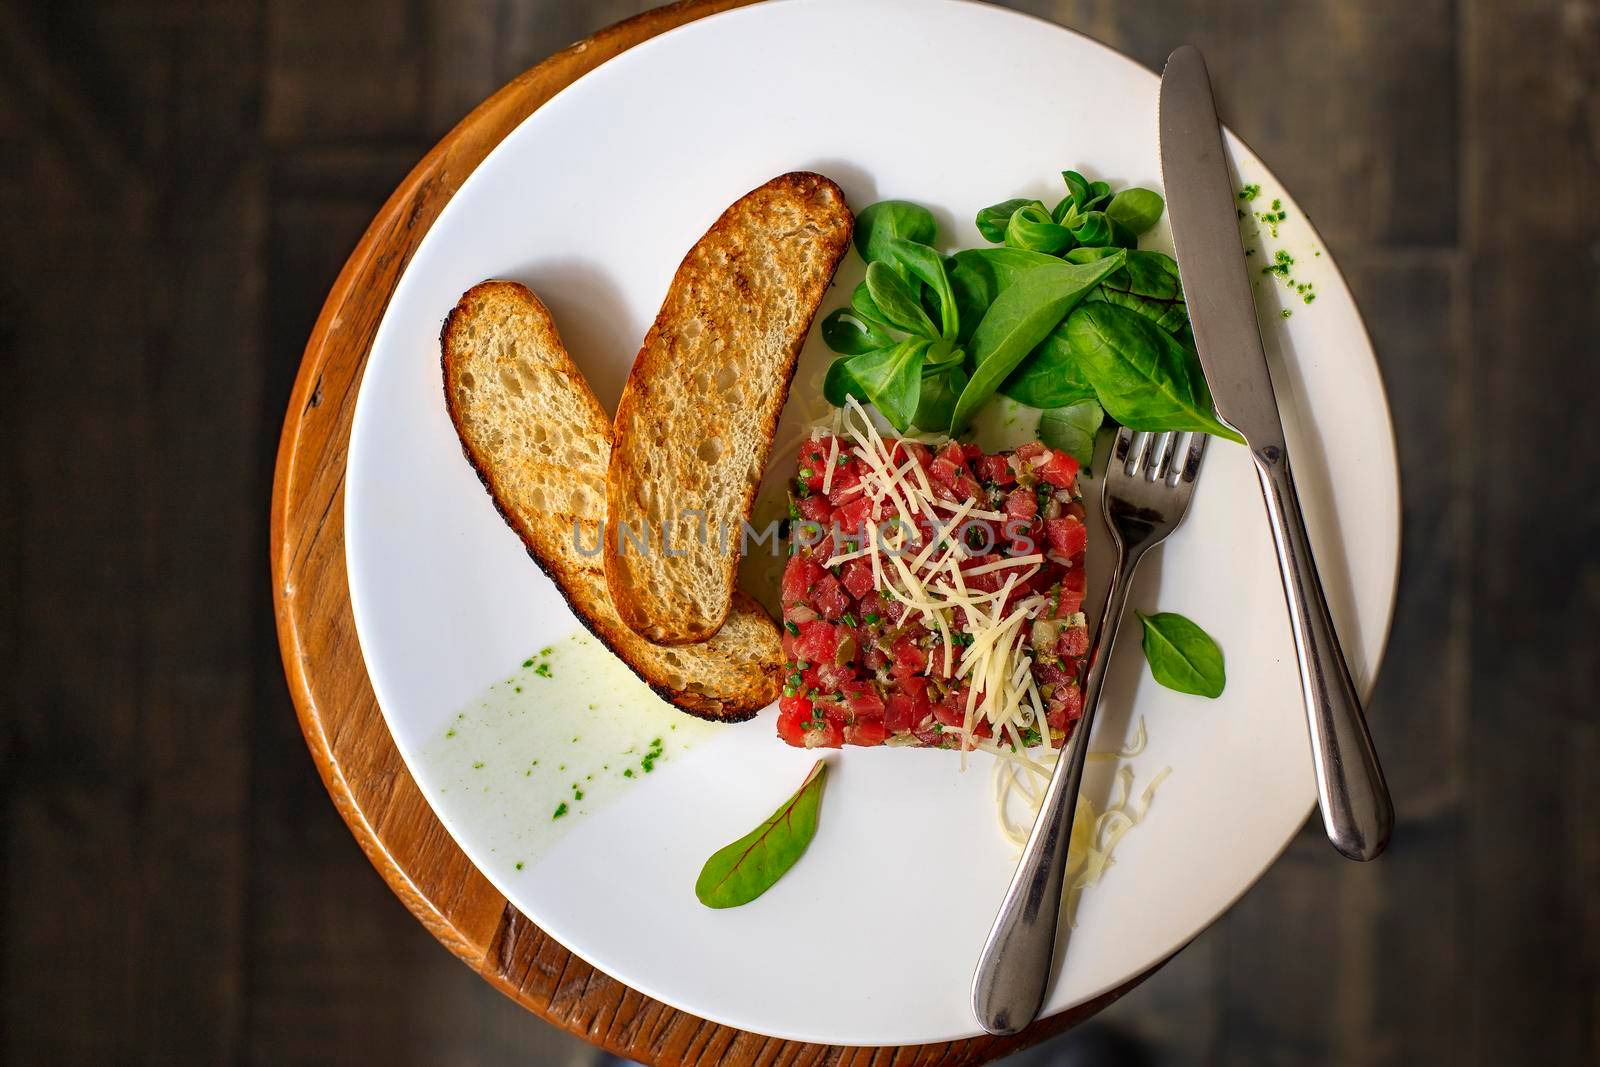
<point>729,679</point>
<point>746,293</point>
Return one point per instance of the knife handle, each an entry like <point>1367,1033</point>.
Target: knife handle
<point>1351,793</point>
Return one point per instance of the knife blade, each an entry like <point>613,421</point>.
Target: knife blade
<point>1351,792</point>
<point>1204,213</point>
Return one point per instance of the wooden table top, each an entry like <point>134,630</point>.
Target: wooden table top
<point>343,726</point>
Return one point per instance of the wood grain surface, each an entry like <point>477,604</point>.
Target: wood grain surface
<point>359,762</point>
<point>180,185</point>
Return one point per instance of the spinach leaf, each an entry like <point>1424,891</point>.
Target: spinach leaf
<point>1144,378</point>
<point>1031,229</point>
<point>897,302</point>
<point>992,220</point>
<point>1137,209</point>
<point>1072,429</point>
<point>928,266</point>
<point>1182,656</point>
<point>1049,377</point>
<point>888,220</point>
<point>738,873</point>
<point>889,379</point>
<point>978,276</point>
<point>1089,255</point>
<point>1099,196</point>
<point>1148,284</point>
<point>846,332</point>
<point>1019,319</point>
<point>939,394</point>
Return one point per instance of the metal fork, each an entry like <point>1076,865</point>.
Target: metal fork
<point>1149,481</point>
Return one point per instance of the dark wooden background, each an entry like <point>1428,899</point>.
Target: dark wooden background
<point>179,183</point>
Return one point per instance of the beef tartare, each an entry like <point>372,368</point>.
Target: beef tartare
<point>933,595</point>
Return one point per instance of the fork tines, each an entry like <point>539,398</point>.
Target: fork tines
<point>1168,457</point>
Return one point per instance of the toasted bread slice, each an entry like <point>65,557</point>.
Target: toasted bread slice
<point>540,442</point>
<point>699,410</point>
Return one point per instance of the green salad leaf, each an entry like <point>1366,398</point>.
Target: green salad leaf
<point>1049,376</point>
<point>1019,319</point>
<point>992,220</point>
<point>1072,429</point>
<point>1142,375</point>
<point>927,266</point>
<point>740,872</point>
<point>1182,656</point>
<point>889,220</point>
<point>1149,284</point>
<point>889,379</point>
<point>1137,209</point>
<point>938,401</point>
<point>1031,229</point>
<point>848,333</point>
<point>897,303</point>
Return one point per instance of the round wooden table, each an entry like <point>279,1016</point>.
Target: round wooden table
<point>327,677</point>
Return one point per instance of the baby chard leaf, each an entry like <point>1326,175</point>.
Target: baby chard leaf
<point>1072,429</point>
<point>1137,209</point>
<point>742,871</point>
<point>1143,376</point>
<point>1148,284</point>
<point>1019,319</point>
<point>1182,656</point>
<point>897,302</point>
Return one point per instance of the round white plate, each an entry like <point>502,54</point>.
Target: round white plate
<point>593,201</point>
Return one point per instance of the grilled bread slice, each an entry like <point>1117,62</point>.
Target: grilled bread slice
<point>540,442</point>
<point>698,412</point>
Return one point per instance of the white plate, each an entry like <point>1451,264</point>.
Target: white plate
<point>593,201</point>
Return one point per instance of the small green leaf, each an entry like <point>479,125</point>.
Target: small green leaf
<point>742,871</point>
<point>993,219</point>
<point>1072,429</point>
<point>1019,319</point>
<point>888,220</point>
<point>928,266</point>
<point>1182,656</point>
<point>889,379</point>
<point>1077,188</point>
<point>1049,377</point>
<point>1149,284</point>
<point>1142,375</point>
<point>940,392</point>
<point>847,333</point>
<point>1137,209</point>
<point>1089,255</point>
<point>897,303</point>
<point>1032,230</point>
<point>1092,229</point>
<point>864,308</point>
<point>838,383</point>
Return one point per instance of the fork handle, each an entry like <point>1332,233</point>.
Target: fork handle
<point>1351,793</point>
<point>1013,971</point>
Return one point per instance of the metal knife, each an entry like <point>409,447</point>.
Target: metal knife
<point>1356,810</point>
